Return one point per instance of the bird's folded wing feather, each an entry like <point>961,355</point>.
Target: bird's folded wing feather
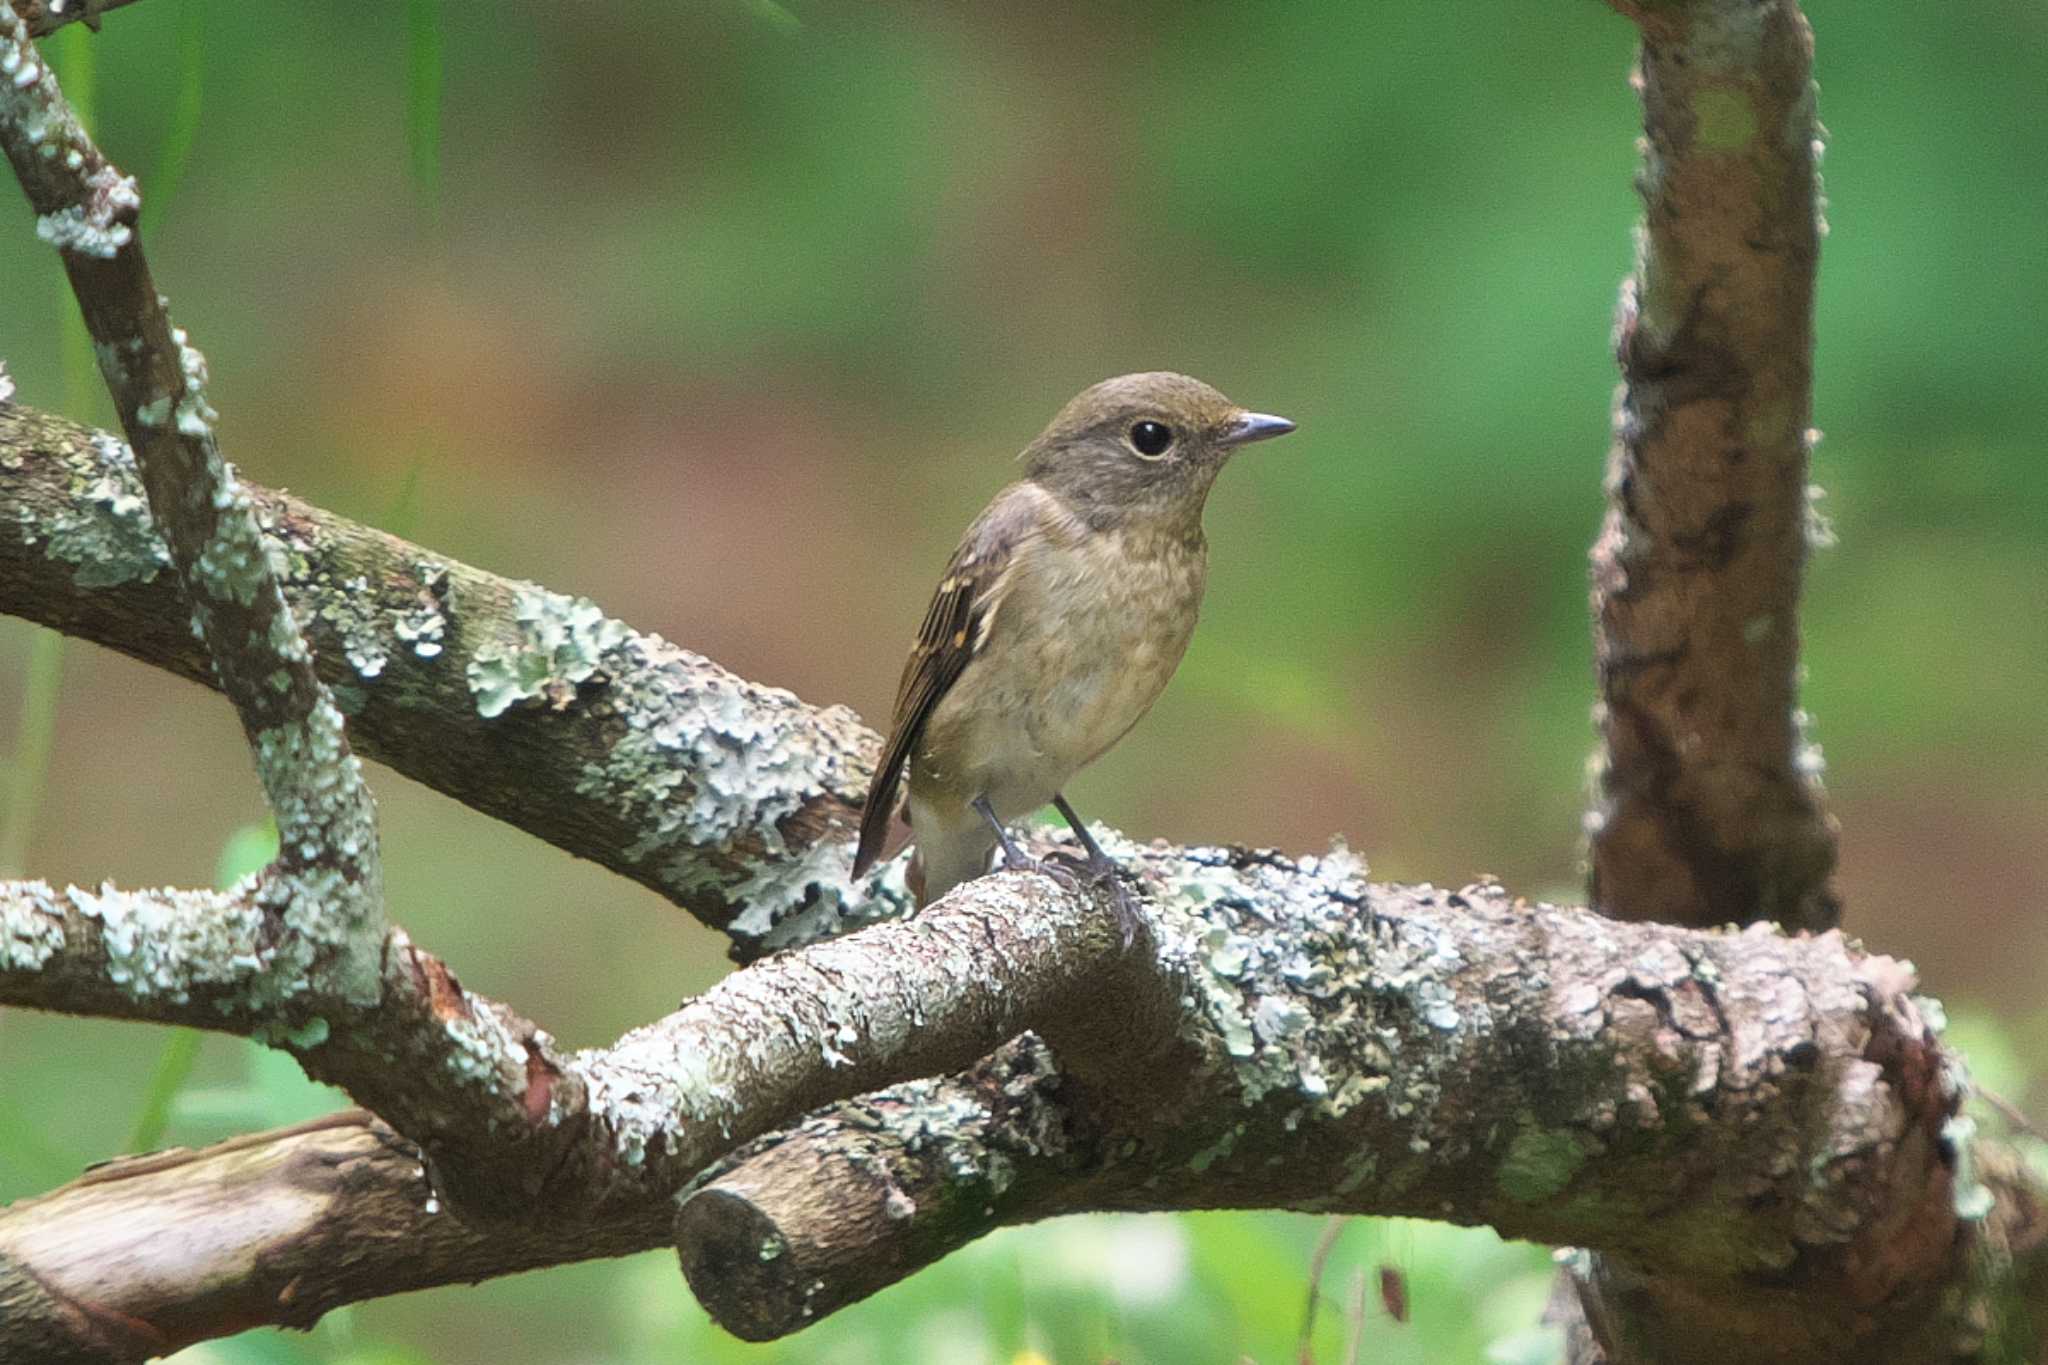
<point>956,627</point>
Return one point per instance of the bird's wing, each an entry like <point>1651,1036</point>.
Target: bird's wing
<point>956,627</point>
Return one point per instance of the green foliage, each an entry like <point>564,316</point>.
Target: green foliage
<point>1150,1290</point>
<point>423,100</point>
<point>181,130</point>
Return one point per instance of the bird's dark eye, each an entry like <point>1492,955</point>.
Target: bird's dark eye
<point>1151,438</point>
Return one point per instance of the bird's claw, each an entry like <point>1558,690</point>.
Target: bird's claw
<point>1095,876</point>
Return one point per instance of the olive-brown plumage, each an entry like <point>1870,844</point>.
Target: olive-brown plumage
<point>1057,622</point>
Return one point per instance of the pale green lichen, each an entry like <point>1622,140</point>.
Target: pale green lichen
<point>1973,1198</point>
<point>195,416</point>
<point>303,1037</point>
<point>707,765</point>
<point>424,625</point>
<point>561,645</point>
<point>650,1082</point>
<point>1540,1161</point>
<point>1216,1151</point>
<point>1270,951</point>
<point>479,1049</point>
<point>72,229</point>
<point>236,559</point>
<point>362,637</point>
<point>104,530</point>
<point>327,887</point>
<point>170,944</point>
<point>1819,527</point>
<point>31,927</point>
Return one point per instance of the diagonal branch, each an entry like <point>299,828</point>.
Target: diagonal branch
<point>1743,1111</point>
<point>733,799</point>
<point>1709,809</point>
<point>517,1129</point>
<point>324,893</point>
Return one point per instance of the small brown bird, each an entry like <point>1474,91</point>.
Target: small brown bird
<point>1057,624</point>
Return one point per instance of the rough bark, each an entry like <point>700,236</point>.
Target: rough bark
<point>146,1255</point>
<point>732,799</point>
<point>518,1130</point>
<point>322,896</point>
<point>1768,1117</point>
<point>1709,809</point>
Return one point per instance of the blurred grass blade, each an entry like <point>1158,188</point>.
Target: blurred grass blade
<point>183,130</point>
<point>774,15</point>
<point>31,762</point>
<point>173,1068</point>
<point>402,517</point>
<point>423,101</point>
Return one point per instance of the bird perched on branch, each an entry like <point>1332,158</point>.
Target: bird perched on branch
<point>1056,626</point>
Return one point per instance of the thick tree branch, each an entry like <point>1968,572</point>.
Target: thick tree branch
<point>1709,805</point>
<point>1740,1110</point>
<point>801,1223</point>
<point>517,1129</point>
<point>323,896</point>
<point>733,799</point>
<point>1709,810</point>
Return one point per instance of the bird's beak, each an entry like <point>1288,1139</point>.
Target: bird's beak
<point>1247,427</point>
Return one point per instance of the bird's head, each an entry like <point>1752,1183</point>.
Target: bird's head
<point>1143,446</point>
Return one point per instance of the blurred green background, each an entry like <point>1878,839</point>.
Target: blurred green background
<point>730,315</point>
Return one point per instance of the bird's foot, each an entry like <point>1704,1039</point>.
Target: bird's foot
<point>1097,874</point>
<point>1087,876</point>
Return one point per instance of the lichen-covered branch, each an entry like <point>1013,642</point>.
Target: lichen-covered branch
<point>1709,811</point>
<point>47,16</point>
<point>733,799</point>
<point>517,1129</point>
<point>803,1222</point>
<point>146,1255</point>
<point>324,892</point>
<point>460,1075</point>
<point>1732,1109</point>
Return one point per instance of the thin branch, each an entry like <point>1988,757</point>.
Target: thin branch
<point>733,799</point>
<point>324,893</point>
<point>47,16</point>
<point>459,1074</point>
<point>1709,808</point>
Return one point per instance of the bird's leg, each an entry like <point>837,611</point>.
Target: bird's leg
<point>1013,856</point>
<point>1102,870</point>
<point>1099,868</point>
